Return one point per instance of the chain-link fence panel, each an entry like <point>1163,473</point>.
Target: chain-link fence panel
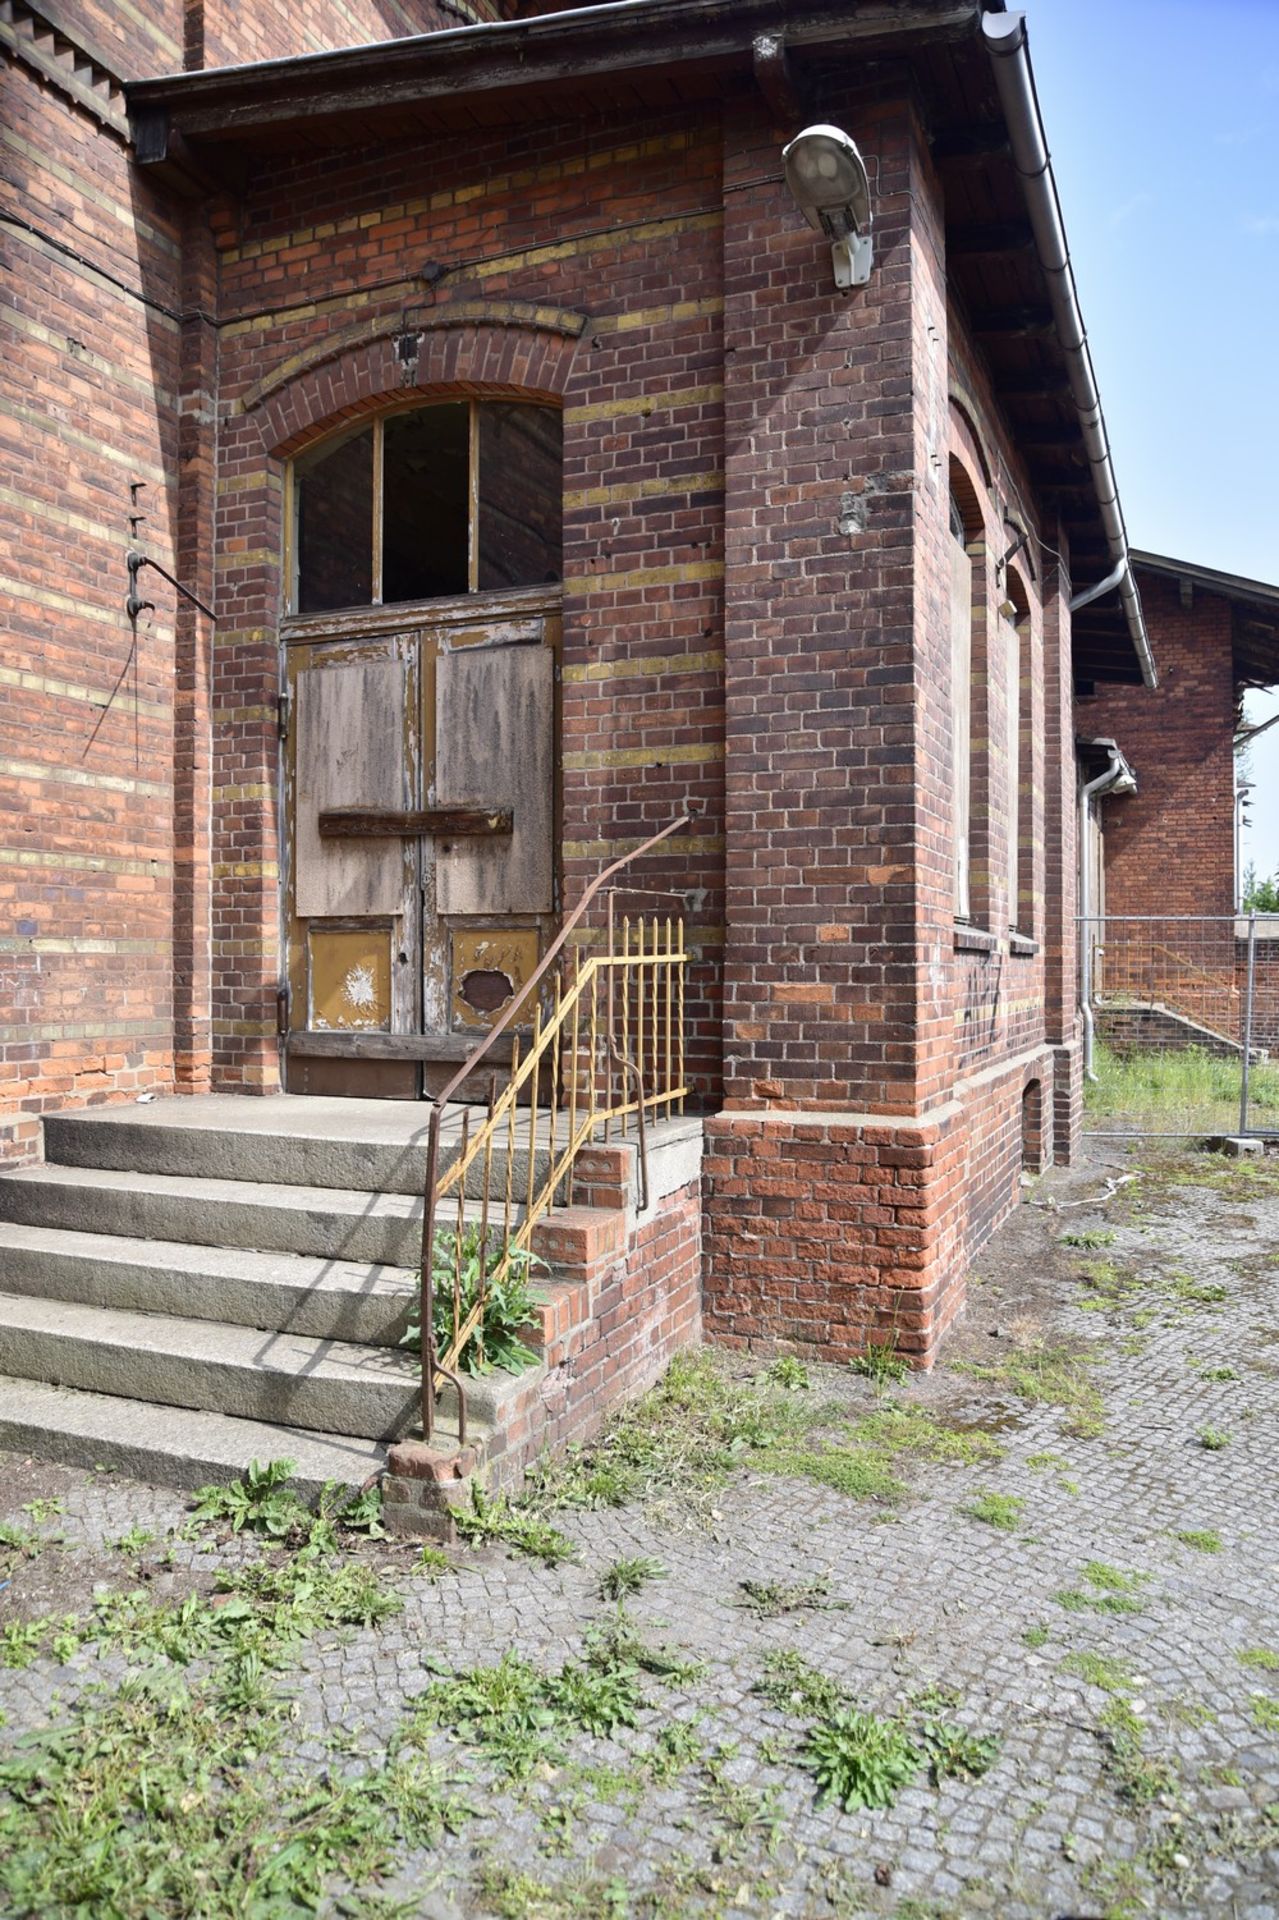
<point>1182,1017</point>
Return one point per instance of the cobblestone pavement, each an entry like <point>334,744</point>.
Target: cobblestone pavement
<point>1107,1618</point>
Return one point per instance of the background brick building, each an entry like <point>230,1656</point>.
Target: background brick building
<point>788,513</point>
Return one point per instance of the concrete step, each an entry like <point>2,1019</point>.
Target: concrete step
<point>288,1140</point>
<point>285,1292</point>
<point>284,1379</point>
<point>170,1446</point>
<point>327,1222</point>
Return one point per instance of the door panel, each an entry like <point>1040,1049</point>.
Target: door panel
<point>494,734</point>
<point>350,753</point>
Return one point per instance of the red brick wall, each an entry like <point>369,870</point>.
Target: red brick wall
<point>90,372</point>
<point>1170,846</point>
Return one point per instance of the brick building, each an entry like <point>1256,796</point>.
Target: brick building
<point>476,361</point>
<point>1170,847</point>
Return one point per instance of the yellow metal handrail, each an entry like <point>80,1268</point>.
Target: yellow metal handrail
<point>612,1045</point>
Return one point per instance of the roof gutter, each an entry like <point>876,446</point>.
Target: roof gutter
<point>1006,42</point>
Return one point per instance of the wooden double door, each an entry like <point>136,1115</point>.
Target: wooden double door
<point>420,808</point>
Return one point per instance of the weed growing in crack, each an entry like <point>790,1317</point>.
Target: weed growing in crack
<point>1036,1636</point>
<point>953,1753</point>
<point>1000,1510</point>
<point>1265,1659</point>
<point>1212,1439</point>
<point>1089,1239</point>
<point>740,1810</point>
<point>1221,1374</point>
<point>1202,1539</point>
<point>1109,1590</point>
<point>769,1599</point>
<point>1265,1713</point>
<point>863,1759</point>
<point>516,1527</point>
<point>1139,1779</point>
<point>881,1363</point>
<point>1100,1670</point>
<point>859,1759</point>
<point>790,1682</point>
<point>628,1577</point>
<point>788,1372</point>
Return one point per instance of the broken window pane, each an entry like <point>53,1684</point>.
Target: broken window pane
<point>521,501</point>
<point>425,473</point>
<point>335,526</point>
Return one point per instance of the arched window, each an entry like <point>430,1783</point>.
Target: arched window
<point>968,695</point>
<point>463,496</point>
<point>1021,758</point>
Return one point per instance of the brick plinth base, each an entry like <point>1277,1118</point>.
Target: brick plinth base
<point>826,1233</point>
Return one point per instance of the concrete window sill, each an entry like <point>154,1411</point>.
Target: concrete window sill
<point>1022,945</point>
<point>974,939</point>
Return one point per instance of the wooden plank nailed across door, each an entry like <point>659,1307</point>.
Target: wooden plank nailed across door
<point>350,753</point>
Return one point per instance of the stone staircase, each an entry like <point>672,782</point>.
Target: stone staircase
<point>192,1284</point>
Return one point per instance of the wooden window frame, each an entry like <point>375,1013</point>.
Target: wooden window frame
<point>331,442</point>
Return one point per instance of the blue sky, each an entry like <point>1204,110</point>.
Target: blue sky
<point>1163,120</point>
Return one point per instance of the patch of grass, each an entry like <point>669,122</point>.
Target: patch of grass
<point>1001,1510</point>
<point>792,1683</point>
<point>1109,1590</point>
<point>495,1519</point>
<point>788,1372</point>
<point>1217,1373</point>
<point>1265,1659</point>
<point>852,1470</point>
<point>859,1759</point>
<point>1189,1291</point>
<point>1265,1713</point>
<point>1100,1670</point>
<point>1212,1439</point>
<point>769,1599</point>
<point>684,1439</point>
<point>1089,1239</point>
<point>1169,1091</point>
<point>1051,1375</point>
<point>1140,1779</point>
<point>627,1577</point>
<point>1036,1636</point>
<point>1202,1539</point>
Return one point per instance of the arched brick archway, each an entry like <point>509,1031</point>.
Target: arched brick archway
<point>499,350</point>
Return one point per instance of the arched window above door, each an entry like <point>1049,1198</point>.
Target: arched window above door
<point>456,497</point>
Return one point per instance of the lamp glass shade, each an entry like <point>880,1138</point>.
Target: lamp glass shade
<point>824,171</point>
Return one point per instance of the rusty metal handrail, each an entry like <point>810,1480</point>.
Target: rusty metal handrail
<point>544,1051</point>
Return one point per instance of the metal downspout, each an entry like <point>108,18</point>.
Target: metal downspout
<point>1006,42</point>
<point>1087,793</point>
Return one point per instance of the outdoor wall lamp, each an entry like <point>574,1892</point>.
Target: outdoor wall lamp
<point>828,178</point>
